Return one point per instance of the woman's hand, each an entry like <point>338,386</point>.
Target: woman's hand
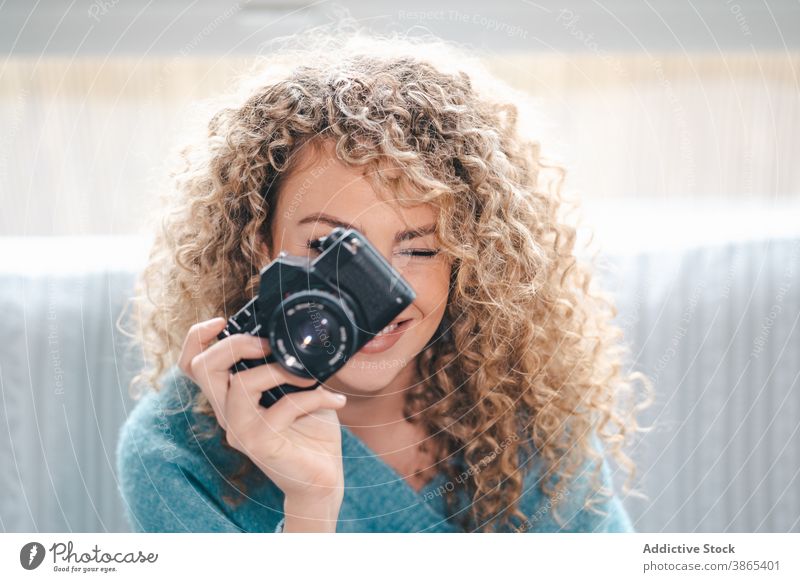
<point>296,442</point>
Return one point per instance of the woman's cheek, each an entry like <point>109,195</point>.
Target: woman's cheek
<point>431,276</point>
<point>421,284</point>
<point>431,300</point>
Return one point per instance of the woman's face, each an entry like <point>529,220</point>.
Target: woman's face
<point>321,194</point>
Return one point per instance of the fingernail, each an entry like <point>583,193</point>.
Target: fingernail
<point>340,397</point>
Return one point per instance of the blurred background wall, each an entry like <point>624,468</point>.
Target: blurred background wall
<point>86,138</point>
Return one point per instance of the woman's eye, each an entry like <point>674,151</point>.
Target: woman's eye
<point>424,253</point>
<point>405,253</point>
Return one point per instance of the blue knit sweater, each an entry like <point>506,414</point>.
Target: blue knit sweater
<point>172,480</point>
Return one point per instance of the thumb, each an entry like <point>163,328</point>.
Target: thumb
<point>198,338</point>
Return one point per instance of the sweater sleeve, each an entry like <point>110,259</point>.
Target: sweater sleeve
<point>618,520</point>
<point>160,492</point>
<point>607,514</point>
<point>613,518</point>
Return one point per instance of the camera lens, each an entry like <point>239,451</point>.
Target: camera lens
<point>312,333</point>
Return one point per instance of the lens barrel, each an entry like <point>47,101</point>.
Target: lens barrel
<point>312,333</point>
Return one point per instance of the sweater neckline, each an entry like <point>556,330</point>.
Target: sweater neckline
<point>373,485</point>
<point>387,469</point>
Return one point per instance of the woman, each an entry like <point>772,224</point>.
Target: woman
<point>489,404</point>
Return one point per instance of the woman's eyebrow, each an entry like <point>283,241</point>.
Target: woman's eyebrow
<point>415,233</point>
<point>399,237</point>
<point>327,219</point>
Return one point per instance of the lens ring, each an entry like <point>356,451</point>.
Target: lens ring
<point>313,333</point>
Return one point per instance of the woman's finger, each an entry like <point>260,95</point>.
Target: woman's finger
<point>198,338</point>
<point>269,376</point>
<point>225,353</point>
<point>242,404</point>
<point>264,427</point>
<point>292,406</point>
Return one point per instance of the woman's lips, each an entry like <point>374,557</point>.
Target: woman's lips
<point>385,340</point>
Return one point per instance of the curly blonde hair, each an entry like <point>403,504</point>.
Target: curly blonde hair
<point>531,361</point>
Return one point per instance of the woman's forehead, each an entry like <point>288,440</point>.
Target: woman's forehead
<point>325,185</point>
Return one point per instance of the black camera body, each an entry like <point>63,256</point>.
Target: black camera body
<point>317,313</point>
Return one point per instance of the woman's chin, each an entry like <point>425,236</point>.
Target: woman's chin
<point>367,373</point>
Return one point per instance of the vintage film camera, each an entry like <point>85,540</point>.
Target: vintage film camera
<point>317,313</point>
